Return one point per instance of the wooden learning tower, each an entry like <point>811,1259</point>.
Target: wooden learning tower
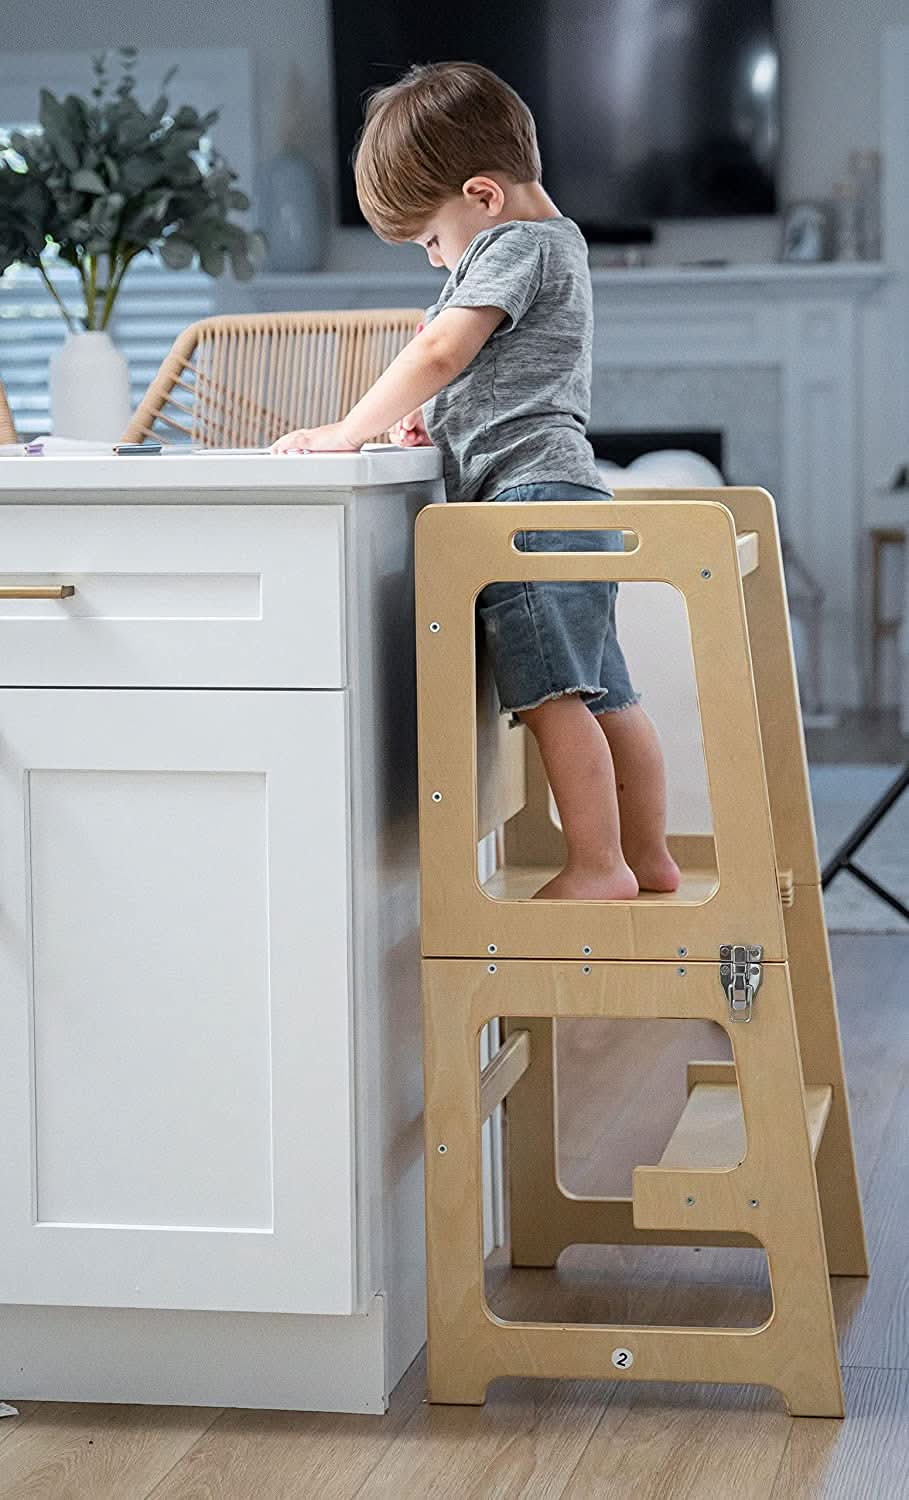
<point>762,1153</point>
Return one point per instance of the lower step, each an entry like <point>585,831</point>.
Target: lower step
<point>711,1129</point>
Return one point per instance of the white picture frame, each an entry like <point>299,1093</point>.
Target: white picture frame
<point>806,231</point>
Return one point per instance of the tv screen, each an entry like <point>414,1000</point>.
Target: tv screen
<point>645,109</point>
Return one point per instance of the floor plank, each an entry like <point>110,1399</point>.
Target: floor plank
<point>284,1455</point>
<point>8,1425</point>
<point>875,1316</point>
<point>524,1442</point>
<point>866,1457</point>
<point>700,1442</point>
<point>85,1452</point>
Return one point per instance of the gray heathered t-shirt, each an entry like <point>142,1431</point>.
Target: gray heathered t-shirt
<point>518,413</point>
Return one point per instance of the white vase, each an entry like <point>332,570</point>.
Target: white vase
<point>89,388</point>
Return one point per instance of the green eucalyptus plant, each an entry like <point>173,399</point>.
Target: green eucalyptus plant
<point>103,181</point>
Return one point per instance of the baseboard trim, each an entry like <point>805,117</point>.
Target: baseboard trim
<point>168,1358</point>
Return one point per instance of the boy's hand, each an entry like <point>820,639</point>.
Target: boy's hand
<point>411,432</point>
<point>329,439</point>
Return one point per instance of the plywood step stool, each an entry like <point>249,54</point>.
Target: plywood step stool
<point>763,1151</point>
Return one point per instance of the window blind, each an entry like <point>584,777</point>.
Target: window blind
<point>153,306</point>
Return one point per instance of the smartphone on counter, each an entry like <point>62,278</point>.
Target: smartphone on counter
<point>133,450</point>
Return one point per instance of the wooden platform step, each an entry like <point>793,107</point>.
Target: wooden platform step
<point>711,1128</point>
<point>520,882</point>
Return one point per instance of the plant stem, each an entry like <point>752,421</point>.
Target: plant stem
<point>83,283</point>
<point>116,276</point>
<point>56,296</point>
<point>112,261</point>
<point>91,291</point>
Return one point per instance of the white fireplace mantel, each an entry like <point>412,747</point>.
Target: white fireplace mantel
<point>777,278</point>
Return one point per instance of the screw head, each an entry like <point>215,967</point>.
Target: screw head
<point>754,1202</point>
<point>725,951</point>
<point>492,948</point>
<point>491,969</point>
<point>706,573</point>
<point>681,971</point>
<point>690,1201</point>
<point>434,626</point>
<point>586,950</point>
<point>442,1149</point>
<point>682,952</point>
<point>437,796</point>
<point>585,968</point>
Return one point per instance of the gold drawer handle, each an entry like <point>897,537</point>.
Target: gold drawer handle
<point>22,591</point>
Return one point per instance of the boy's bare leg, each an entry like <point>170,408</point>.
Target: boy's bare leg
<point>641,791</point>
<point>578,764</point>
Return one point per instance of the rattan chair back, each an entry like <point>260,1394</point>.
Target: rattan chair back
<point>240,381</point>
<point>7,426</point>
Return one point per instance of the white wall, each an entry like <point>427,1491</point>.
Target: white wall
<point>830,81</point>
<point>831,54</point>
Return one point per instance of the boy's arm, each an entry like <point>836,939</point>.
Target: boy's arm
<point>423,368</point>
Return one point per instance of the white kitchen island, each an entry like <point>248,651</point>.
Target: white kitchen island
<point>210,1089</point>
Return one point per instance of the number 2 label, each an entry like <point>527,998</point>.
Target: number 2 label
<point>623,1359</point>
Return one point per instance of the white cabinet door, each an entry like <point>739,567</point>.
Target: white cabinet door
<point>175,1049</point>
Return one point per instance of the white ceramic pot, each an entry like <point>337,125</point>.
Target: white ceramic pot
<point>89,388</point>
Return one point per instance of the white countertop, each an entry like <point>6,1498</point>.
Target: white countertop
<point>72,473</point>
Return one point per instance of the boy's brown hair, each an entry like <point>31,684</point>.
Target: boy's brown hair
<point>425,135</point>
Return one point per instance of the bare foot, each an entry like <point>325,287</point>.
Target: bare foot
<point>616,884</point>
<point>657,872</point>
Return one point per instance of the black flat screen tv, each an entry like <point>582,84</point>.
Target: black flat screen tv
<point>645,109</point>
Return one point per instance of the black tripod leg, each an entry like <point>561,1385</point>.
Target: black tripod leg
<point>878,890</point>
<point>842,859</point>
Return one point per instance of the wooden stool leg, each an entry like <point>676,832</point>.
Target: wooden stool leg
<point>793,831</point>
<point>822,1061</point>
<point>457,1326</point>
<point>799,1270</point>
<point>536,1204</point>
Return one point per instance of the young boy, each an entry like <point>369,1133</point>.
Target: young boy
<point>499,379</point>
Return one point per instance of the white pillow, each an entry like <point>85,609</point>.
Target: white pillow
<point>667,468</point>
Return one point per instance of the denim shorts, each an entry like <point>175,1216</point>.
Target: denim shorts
<point>547,639</point>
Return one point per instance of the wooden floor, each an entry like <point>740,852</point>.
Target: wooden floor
<point>542,1439</point>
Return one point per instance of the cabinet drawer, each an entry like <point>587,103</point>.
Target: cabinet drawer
<point>172,596</point>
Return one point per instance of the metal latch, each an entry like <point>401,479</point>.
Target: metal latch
<point>740,976</point>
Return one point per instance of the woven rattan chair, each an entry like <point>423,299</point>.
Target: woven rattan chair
<point>240,381</point>
<point>7,427</point>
